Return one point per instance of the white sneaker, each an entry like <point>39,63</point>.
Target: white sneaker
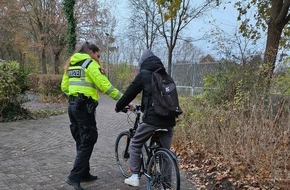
<point>133,181</point>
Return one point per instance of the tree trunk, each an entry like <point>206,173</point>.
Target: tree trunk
<point>56,63</point>
<point>278,19</point>
<point>43,63</point>
<point>274,36</point>
<point>169,61</point>
<point>22,60</point>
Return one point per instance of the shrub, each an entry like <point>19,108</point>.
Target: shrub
<point>13,84</point>
<point>232,83</point>
<point>49,88</point>
<point>48,85</point>
<point>281,83</point>
<point>32,81</point>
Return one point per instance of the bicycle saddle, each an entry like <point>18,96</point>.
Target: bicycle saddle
<point>160,130</point>
<point>154,142</point>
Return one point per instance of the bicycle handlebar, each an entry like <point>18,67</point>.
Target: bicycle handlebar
<point>127,108</point>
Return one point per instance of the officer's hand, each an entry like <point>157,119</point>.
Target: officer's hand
<point>102,70</point>
<point>131,107</point>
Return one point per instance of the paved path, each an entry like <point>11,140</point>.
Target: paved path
<point>38,154</point>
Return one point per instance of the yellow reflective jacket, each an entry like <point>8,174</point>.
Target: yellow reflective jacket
<point>85,76</point>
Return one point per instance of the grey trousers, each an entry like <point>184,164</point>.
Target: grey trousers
<point>143,133</point>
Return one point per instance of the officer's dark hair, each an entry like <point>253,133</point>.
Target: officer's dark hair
<point>94,48</point>
<point>84,48</point>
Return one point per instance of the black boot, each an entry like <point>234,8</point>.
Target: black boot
<point>89,178</point>
<point>75,184</point>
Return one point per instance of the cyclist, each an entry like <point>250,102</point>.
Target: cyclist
<point>150,120</point>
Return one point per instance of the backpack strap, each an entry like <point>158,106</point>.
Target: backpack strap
<point>147,94</point>
<point>145,71</point>
<point>159,69</point>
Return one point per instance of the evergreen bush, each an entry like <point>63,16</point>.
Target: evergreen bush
<point>13,84</point>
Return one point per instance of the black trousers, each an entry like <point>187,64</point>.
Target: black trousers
<point>84,131</point>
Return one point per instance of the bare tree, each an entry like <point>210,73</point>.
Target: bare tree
<point>34,29</point>
<point>235,47</point>
<point>39,16</point>
<point>94,21</point>
<point>185,51</point>
<point>175,16</point>
<point>14,39</point>
<point>145,14</point>
<point>165,20</point>
<point>57,38</point>
<point>142,32</point>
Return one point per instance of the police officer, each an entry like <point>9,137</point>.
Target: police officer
<point>82,77</point>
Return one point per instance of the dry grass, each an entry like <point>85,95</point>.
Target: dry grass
<point>252,140</point>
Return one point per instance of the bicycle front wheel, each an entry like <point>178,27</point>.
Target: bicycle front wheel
<point>122,153</point>
<point>163,171</point>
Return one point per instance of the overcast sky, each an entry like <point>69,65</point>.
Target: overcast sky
<point>225,18</point>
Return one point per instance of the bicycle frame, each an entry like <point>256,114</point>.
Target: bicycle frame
<point>148,151</point>
<point>153,147</point>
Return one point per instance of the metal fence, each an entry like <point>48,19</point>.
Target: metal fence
<point>189,76</point>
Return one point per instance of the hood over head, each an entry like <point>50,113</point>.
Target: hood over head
<point>146,54</point>
<point>149,61</point>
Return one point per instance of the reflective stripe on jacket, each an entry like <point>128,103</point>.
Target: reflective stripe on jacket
<point>85,76</point>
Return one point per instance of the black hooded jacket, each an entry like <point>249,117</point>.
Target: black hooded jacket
<point>142,83</point>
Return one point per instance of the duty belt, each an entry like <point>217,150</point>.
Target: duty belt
<point>73,98</point>
<point>76,98</point>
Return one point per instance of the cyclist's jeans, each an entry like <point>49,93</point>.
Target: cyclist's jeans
<point>143,133</point>
<point>84,131</point>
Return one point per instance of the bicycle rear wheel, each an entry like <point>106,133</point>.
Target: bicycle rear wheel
<point>163,171</point>
<point>122,153</point>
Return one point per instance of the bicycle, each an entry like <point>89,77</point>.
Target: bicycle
<point>158,164</point>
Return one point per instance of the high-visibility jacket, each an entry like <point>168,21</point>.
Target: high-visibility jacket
<point>85,76</point>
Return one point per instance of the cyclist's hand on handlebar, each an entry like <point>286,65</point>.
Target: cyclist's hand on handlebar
<point>130,107</point>
<point>118,110</point>
<point>125,109</point>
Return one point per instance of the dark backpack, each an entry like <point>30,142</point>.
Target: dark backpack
<point>164,95</point>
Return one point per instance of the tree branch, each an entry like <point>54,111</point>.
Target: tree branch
<point>283,12</point>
